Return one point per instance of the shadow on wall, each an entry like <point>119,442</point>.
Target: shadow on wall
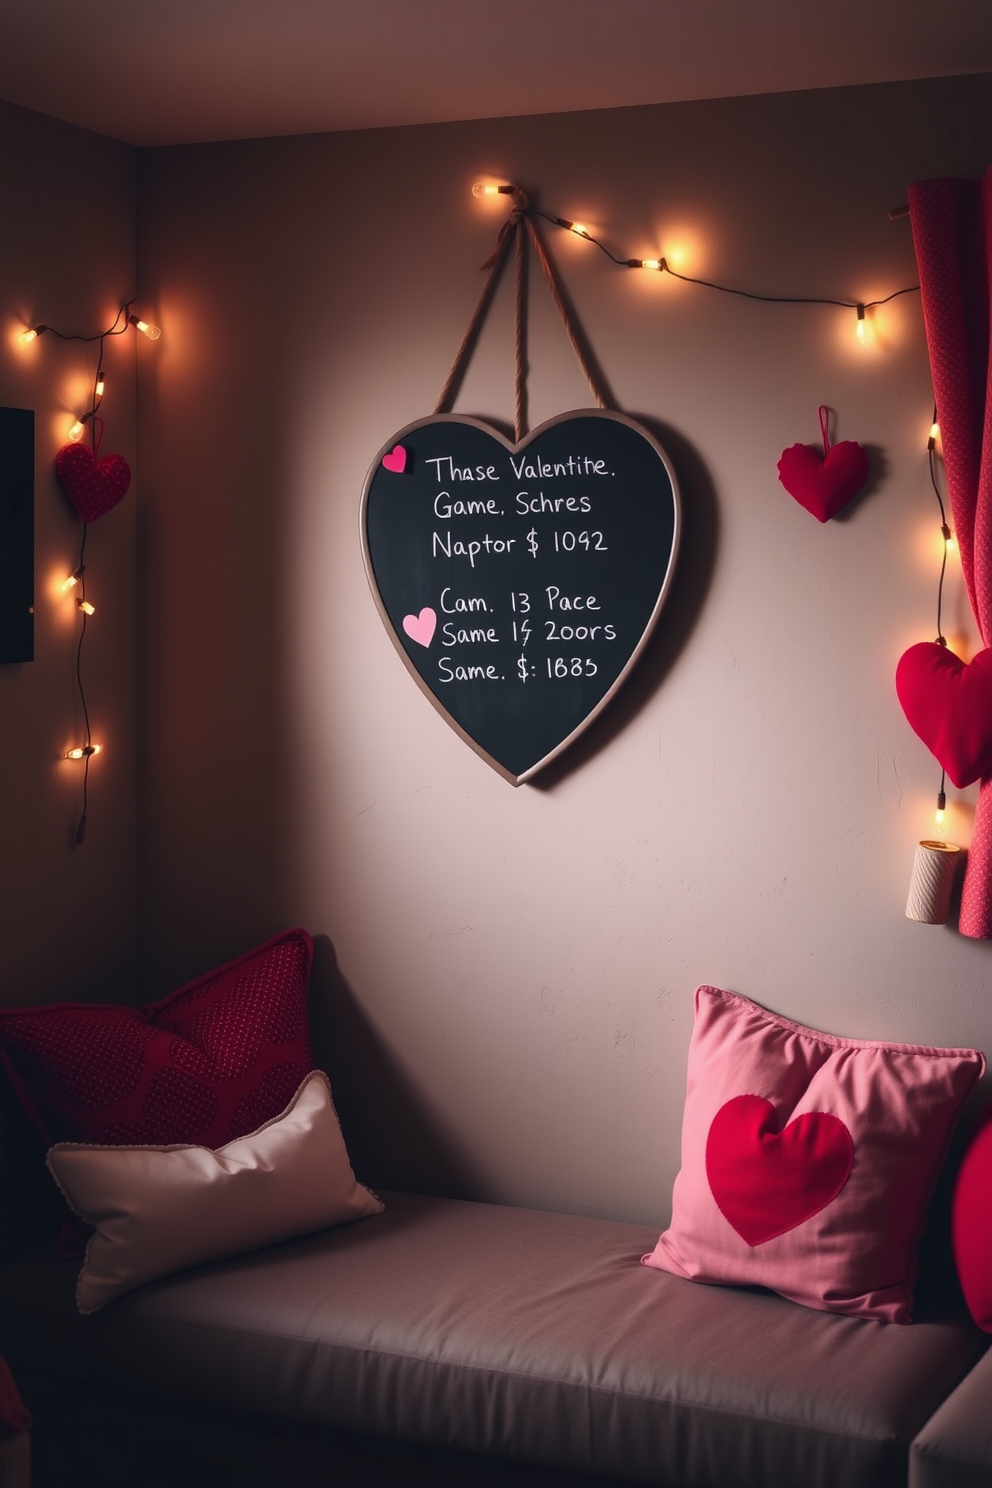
<point>690,585</point>
<point>393,1140</point>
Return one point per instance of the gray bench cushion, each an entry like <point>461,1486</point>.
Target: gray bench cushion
<point>954,1449</point>
<point>517,1333</point>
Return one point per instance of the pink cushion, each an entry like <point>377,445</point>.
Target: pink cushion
<point>971,1224</point>
<point>157,1210</point>
<point>206,1064</point>
<point>808,1160</point>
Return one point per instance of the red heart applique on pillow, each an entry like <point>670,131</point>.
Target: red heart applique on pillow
<point>824,483</point>
<point>93,486</point>
<point>766,1182</point>
<point>948,703</point>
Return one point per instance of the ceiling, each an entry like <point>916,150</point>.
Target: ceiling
<point>160,72</point>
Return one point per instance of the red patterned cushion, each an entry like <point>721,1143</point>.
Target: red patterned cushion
<point>205,1065</point>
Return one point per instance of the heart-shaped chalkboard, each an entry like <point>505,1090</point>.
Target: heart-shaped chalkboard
<point>520,583</point>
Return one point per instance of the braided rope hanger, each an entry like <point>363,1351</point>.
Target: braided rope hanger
<point>521,228</point>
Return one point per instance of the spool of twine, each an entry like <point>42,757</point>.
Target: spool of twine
<point>930,888</point>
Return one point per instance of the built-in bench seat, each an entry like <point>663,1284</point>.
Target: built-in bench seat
<point>530,1337</point>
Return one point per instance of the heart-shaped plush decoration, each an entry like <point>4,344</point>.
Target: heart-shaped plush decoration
<point>823,483</point>
<point>93,486</point>
<point>519,583</point>
<point>948,703</point>
<point>766,1182</point>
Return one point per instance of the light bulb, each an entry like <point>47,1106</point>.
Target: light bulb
<point>82,751</point>
<point>651,263</point>
<point>861,327</point>
<point>575,227</point>
<point>76,432</point>
<point>947,535</point>
<point>934,435</point>
<point>70,583</point>
<point>145,327</point>
<point>490,188</point>
<point>86,607</point>
<point>941,804</point>
<point>101,382</point>
<point>32,335</point>
<point>76,753</point>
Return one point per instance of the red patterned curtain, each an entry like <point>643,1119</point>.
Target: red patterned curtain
<point>952,233</point>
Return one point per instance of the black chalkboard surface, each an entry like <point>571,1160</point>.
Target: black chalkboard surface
<point>520,584</point>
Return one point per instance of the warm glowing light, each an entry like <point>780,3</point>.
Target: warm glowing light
<point>490,188</point>
<point>948,537</point>
<point>70,583</point>
<point>861,330</point>
<point>576,227</point>
<point>934,435</point>
<point>145,327</point>
<point>82,751</point>
<point>76,432</point>
<point>941,806</point>
<point>938,817</point>
<point>86,607</point>
<point>32,335</point>
<point>101,383</point>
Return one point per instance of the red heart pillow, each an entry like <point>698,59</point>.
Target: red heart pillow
<point>206,1065</point>
<point>971,1223</point>
<point>808,1160</point>
<point>948,703</point>
<point>823,483</point>
<point>93,486</point>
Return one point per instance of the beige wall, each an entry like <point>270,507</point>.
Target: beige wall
<point>67,913</point>
<point>512,999</point>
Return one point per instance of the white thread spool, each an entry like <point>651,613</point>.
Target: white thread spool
<point>930,888</point>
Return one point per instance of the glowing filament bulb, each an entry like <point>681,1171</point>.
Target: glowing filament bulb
<point>941,805</point>
<point>948,536</point>
<point>145,327</point>
<point>651,263</point>
<point>76,432</point>
<point>101,382</point>
<point>76,753</point>
<point>490,188</point>
<point>82,751</point>
<point>577,228</point>
<point>32,334</point>
<point>934,435</point>
<point>86,607</point>
<point>861,326</point>
<point>70,583</point>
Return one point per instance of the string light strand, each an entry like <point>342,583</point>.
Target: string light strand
<point>661,265</point>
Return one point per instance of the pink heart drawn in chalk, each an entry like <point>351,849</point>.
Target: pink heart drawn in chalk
<point>396,461</point>
<point>420,628</point>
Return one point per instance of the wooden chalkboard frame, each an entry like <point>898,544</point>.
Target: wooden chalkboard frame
<point>514,448</point>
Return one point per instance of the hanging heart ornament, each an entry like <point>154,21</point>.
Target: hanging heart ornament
<point>520,582</point>
<point>824,483</point>
<point>948,704</point>
<point>93,486</point>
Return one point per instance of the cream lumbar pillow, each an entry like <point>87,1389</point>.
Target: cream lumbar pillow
<point>159,1209</point>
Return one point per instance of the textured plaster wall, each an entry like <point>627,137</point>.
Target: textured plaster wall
<point>67,913</point>
<point>508,1002</point>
